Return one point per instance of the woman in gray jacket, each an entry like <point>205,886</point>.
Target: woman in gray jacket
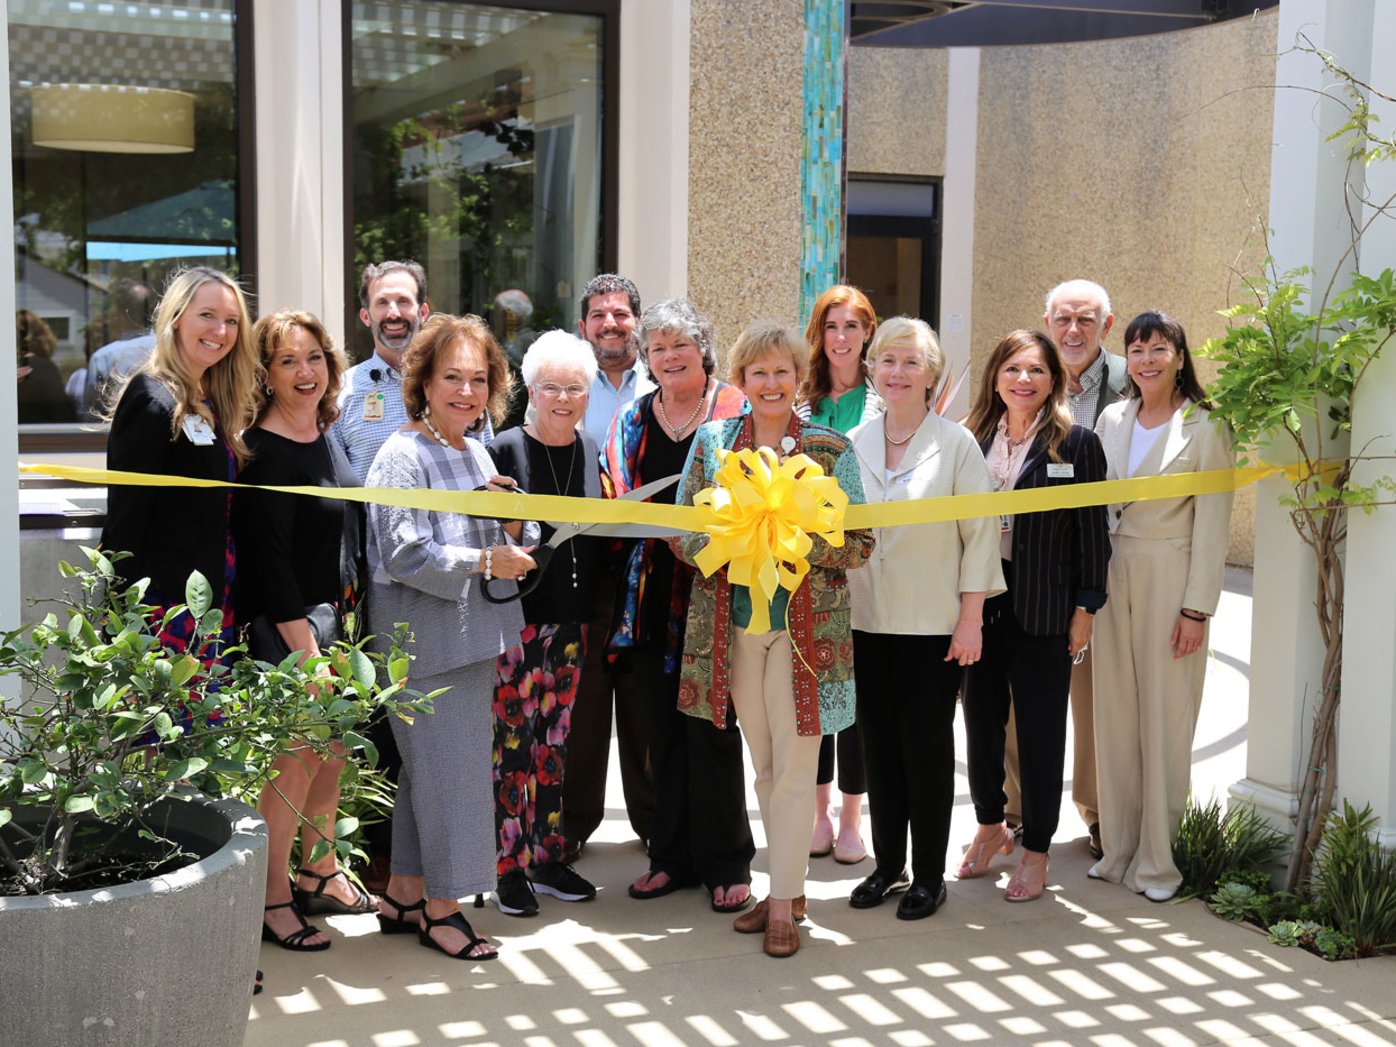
<point>428,568</point>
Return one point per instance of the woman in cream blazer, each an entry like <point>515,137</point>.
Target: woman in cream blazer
<point>1165,580</point>
<point>917,614</point>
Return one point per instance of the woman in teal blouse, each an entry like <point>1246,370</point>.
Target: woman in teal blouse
<point>836,393</point>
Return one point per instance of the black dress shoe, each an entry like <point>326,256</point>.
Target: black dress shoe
<point>871,892</point>
<point>921,901</point>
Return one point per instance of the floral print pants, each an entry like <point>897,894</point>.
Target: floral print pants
<point>535,686</point>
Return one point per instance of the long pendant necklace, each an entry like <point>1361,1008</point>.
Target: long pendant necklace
<point>664,415</point>
<point>572,462</point>
<point>435,432</point>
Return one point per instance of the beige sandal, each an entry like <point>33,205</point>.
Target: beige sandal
<point>988,840</point>
<point>1030,880</point>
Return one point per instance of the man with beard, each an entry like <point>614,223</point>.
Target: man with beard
<point>610,307</point>
<point>609,310</point>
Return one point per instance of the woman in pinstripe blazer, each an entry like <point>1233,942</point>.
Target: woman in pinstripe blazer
<point>1055,564</point>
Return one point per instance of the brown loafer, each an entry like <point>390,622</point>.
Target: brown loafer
<point>753,921</point>
<point>782,938</point>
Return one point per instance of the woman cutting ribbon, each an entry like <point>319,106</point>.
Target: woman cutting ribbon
<point>785,702</point>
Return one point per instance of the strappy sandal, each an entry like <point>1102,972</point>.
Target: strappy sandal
<point>461,924</point>
<point>1031,880</point>
<point>296,940</point>
<point>317,901</point>
<point>981,852</point>
<point>398,924</point>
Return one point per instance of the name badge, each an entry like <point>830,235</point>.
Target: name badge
<point>199,431</point>
<point>1005,524</point>
<point>1061,471</point>
<point>373,407</point>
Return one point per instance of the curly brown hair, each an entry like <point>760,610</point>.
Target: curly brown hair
<point>439,332</point>
<point>272,332</point>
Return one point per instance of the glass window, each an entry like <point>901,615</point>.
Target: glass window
<point>124,145</point>
<point>477,150</point>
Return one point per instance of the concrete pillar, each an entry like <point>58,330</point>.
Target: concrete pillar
<point>1367,722</point>
<point>9,407</point>
<point>957,226</point>
<point>1309,207</point>
<point>299,74</point>
<point>653,219</point>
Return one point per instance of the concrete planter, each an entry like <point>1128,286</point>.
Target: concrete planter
<point>167,960</point>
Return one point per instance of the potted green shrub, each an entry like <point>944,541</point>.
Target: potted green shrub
<point>131,880</point>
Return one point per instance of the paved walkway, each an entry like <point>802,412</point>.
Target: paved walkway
<point>1091,963</point>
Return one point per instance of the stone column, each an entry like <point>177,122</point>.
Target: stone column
<point>9,406</point>
<point>300,142</point>
<point>1367,721</point>
<point>1309,199</point>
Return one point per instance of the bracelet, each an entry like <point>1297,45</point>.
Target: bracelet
<point>489,562</point>
<point>1192,617</point>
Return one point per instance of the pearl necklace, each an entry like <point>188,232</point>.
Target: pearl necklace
<point>435,432</point>
<point>664,415</point>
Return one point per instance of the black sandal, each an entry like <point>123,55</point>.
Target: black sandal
<point>461,924</point>
<point>295,941</point>
<point>396,924</point>
<point>317,901</point>
<point>257,984</point>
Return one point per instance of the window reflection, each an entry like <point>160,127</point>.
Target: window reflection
<point>477,151</point>
<point>135,105</point>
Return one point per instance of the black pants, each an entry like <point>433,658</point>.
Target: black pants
<point>906,716</point>
<point>853,778</point>
<point>701,830</point>
<point>1033,674</point>
<point>604,686</point>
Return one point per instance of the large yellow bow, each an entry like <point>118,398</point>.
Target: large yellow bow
<point>759,518</point>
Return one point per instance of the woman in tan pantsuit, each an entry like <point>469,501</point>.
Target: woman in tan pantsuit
<point>1165,580</point>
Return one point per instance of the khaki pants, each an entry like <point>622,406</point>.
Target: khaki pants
<point>1147,713</point>
<point>786,764</point>
<point>1083,790</point>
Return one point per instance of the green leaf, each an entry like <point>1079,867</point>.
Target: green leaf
<point>355,740</point>
<point>198,594</point>
<point>397,669</point>
<point>362,667</point>
<point>5,815</point>
<point>78,804</point>
<point>346,826</point>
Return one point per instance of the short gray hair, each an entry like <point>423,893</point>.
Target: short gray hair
<point>561,348</point>
<point>1096,291</point>
<point>916,334</point>
<point>677,316</point>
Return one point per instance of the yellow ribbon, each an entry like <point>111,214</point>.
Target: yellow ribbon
<point>692,518</point>
<point>759,518</point>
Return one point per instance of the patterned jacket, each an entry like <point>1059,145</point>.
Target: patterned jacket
<point>820,626</point>
<point>623,462</point>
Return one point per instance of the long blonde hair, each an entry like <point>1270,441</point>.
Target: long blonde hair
<point>989,406</point>
<point>230,384</point>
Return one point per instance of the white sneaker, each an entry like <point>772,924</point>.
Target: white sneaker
<point>1159,894</point>
<point>1095,872</point>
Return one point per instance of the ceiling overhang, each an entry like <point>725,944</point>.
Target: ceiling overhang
<point>991,23</point>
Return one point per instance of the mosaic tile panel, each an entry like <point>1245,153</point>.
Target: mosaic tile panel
<point>822,157</point>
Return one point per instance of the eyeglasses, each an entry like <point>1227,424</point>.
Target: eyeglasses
<point>553,389</point>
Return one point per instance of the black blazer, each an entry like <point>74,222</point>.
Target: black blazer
<point>171,530</point>
<point>1060,557</point>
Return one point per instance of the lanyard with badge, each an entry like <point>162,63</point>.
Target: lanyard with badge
<point>199,432</point>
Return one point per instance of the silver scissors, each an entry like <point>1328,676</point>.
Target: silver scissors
<point>565,532</point>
